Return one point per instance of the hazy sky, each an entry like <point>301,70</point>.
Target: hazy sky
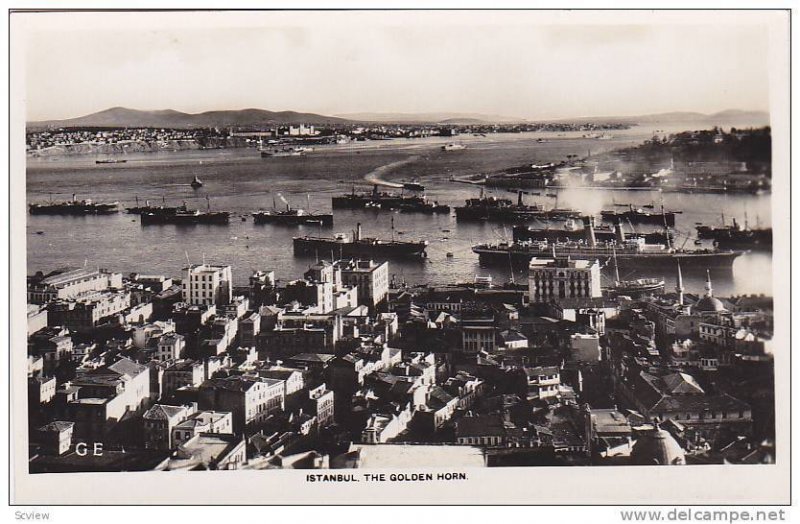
<point>528,65</point>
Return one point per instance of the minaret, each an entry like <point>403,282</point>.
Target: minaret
<point>709,290</point>
<point>679,286</point>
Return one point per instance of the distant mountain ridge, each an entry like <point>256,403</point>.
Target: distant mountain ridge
<point>169,118</point>
<point>432,118</point>
<point>721,118</point>
<point>124,117</point>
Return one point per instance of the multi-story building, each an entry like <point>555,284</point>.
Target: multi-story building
<point>69,284</point>
<point>170,347</point>
<point>293,378</point>
<point>543,381</point>
<point>552,279</point>
<point>249,328</point>
<point>183,373</point>
<point>206,284</point>
<point>250,399</point>
<point>86,312</point>
<point>308,293</point>
<point>370,278</point>
<point>37,318</point>
<point>158,423</point>
<point>219,422</point>
<point>478,332</point>
<point>106,394</point>
<point>321,404</point>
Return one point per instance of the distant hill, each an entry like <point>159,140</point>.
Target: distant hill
<point>431,118</point>
<point>124,117</point>
<point>168,118</point>
<point>729,117</point>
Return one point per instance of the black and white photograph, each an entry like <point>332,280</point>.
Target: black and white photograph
<point>385,248</point>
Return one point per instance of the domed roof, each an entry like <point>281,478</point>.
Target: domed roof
<point>657,447</point>
<point>709,304</point>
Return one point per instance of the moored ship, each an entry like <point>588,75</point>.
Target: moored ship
<point>111,161</point>
<point>184,216</point>
<point>630,253</point>
<point>284,152</point>
<point>640,216</point>
<point>571,231</point>
<point>504,210</point>
<point>292,217</point>
<point>74,207</point>
<point>634,288</point>
<point>147,208</point>
<point>376,200</point>
<point>358,246</point>
<point>735,236</point>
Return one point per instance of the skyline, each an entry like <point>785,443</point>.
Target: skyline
<point>366,62</point>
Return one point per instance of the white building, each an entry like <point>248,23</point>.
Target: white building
<point>371,279</point>
<point>170,347</point>
<point>552,279</point>
<point>205,284</point>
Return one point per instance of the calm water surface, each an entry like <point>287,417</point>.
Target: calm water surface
<point>240,181</point>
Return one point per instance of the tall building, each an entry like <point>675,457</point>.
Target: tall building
<point>550,280</point>
<point>371,279</point>
<point>206,284</point>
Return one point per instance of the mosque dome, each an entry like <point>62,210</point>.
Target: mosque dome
<point>657,447</point>
<point>709,305</point>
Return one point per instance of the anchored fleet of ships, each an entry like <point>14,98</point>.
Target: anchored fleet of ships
<point>577,238</point>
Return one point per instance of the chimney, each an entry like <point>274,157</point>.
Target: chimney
<point>620,233</point>
<point>519,198</point>
<point>358,229</point>
<point>588,226</point>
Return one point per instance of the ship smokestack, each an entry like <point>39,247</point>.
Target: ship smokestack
<point>519,198</point>
<point>73,197</point>
<point>358,231</point>
<point>588,226</point>
<point>620,233</point>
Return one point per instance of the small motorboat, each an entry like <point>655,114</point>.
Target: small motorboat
<point>197,183</point>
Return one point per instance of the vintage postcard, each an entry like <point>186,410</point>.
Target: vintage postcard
<point>402,257</point>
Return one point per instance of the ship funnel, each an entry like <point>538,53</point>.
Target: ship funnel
<point>358,231</point>
<point>73,197</point>
<point>519,198</point>
<point>620,233</point>
<point>588,226</point>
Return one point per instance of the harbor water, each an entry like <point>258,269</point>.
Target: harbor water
<point>240,181</point>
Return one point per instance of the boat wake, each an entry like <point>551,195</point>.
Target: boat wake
<point>374,176</point>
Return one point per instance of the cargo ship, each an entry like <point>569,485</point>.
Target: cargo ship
<point>640,216</point>
<point>572,231</point>
<point>358,246</point>
<point>504,210</point>
<point>147,208</point>
<point>74,207</point>
<point>184,216</point>
<point>630,253</point>
<point>376,200</point>
<point>277,153</point>
<point>735,236</point>
<point>293,217</point>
